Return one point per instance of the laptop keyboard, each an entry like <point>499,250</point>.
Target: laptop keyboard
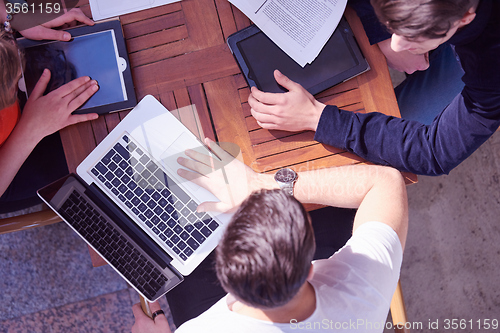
<point>137,181</point>
<point>112,245</point>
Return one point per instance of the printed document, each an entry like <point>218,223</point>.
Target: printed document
<point>102,9</point>
<point>299,27</point>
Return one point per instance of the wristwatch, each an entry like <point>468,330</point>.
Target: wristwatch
<point>286,178</point>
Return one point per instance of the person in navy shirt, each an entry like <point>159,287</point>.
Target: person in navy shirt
<point>444,119</point>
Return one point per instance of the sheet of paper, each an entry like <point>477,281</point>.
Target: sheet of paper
<point>299,27</point>
<point>102,9</point>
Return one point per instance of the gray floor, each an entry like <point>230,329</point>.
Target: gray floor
<point>450,268</point>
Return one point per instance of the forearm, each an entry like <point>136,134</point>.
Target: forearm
<point>378,193</point>
<point>344,186</point>
<point>409,145</point>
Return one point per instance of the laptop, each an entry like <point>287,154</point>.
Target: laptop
<point>257,56</point>
<point>130,205</point>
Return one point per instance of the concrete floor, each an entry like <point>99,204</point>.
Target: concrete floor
<point>450,267</point>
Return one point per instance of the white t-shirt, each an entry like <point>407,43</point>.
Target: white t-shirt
<point>354,288</point>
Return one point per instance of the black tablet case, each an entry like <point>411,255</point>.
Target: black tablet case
<point>258,57</point>
<point>68,75</point>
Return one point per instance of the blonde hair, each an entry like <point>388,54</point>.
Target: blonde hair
<point>11,69</point>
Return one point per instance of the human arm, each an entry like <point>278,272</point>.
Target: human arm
<point>378,192</point>
<point>144,324</point>
<point>432,150</point>
<point>23,23</point>
<point>295,110</point>
<point>43,115</point>
<point>411,146</point>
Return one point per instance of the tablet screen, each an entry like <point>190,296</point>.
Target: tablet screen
<point>264,57</point>
<point>95,55</point>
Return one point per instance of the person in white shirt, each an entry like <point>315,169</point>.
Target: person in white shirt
<point>264,259</point>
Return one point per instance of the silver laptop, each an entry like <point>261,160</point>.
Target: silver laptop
<point>129,183</point>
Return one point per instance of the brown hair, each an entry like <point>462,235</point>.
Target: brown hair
<point>265,254</point>
<point>11,69</point>
<point>421,18</point>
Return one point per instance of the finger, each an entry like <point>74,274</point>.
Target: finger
<point>51,34</point>
<point>196,166</point>
<point>82,88</point>
<point>138,313</point>
<point>78,100</point>
<point>41,85</point>
<point>264,117</point>
<point>161,318</point>
<point>285,82</point>
<point>154,306</point>
<point>211,206</point>
<point>259,106</point>
<point>80,16</point>
<point>200,157</point>
<point>71,86</point>
<point>194,177</point>
<point>74,14</point>
<point>267,98</point>
<point>80,118</point>
<point>268,126</point>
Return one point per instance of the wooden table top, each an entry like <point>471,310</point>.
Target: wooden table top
<point>178,53</point>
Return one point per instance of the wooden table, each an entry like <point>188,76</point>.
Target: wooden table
<point>178,53</point>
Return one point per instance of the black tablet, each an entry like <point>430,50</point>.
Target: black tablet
<point>258,57</point>
<point>97,51</point>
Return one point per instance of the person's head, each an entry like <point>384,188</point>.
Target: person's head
<point>11,70</point>
<point>265,254</point>
<point>419,26</point>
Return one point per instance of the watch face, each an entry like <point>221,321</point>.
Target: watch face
<point>286,175</point>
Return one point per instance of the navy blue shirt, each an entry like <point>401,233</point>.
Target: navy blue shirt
<point>464,125</point>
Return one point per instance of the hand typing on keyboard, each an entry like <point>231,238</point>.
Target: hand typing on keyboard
<point>229,179</point>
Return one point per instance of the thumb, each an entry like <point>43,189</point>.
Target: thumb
<point>41,85</point>
<point>78,118</point>
<point>285,82</point>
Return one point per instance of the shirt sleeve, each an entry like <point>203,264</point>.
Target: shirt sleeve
<point>409,145</point>
<point>375,30</point>
<point>374,253</point>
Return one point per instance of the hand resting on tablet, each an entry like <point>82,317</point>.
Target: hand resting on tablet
<point>295,110</point>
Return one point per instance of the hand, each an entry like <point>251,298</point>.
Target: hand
<point>295,110</point>
<point>44,115</point>
<point>45,31</point>
<point>404,61</point>
<point>144,324</point>
<point>229,179</point>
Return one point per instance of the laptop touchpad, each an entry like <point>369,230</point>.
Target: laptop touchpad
<point>176,150</point>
